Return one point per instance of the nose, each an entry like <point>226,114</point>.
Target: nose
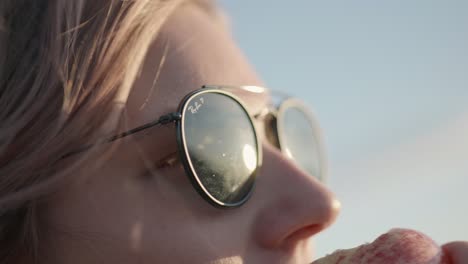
<point>293,206</point>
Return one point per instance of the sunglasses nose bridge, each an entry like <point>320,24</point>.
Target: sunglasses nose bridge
<point>270,130</point>
<point>267,125</point>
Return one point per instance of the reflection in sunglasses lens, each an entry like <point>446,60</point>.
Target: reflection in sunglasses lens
<point>300,142</point>
<point>221,145</point>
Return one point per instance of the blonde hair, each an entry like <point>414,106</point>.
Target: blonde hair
<point>62,66</point>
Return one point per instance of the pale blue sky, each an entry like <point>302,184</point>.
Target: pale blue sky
<point>388,80</point>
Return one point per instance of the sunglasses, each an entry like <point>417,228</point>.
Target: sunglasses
<point>220,148</point>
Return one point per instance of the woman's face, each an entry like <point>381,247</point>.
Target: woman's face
<point>122,213</point>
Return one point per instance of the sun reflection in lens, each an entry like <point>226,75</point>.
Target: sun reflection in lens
<point>249,156</point>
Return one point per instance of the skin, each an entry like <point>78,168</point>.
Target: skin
<point>458,251</point>
<point>122,213</point>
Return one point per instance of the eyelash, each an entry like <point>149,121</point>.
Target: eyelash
<point>170,161</point>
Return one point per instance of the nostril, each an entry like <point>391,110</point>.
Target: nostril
<point>291,240</point>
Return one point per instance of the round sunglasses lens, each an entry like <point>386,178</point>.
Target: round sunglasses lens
<point>300,141</point>
<point>222,147</point>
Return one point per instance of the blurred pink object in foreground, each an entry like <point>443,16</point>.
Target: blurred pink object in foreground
<point>398,246</point>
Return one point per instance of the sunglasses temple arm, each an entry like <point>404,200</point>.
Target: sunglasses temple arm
<point>165,119</point>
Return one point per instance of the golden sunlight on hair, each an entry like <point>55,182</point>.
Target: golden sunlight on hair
<point>66,69</point>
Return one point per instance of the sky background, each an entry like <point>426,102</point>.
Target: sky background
<point>388,80</point>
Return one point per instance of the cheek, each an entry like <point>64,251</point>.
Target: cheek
<point>114,217</point>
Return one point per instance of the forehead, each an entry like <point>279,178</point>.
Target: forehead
<point>192,49</point>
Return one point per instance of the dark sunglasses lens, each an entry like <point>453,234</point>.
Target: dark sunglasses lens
<point>300,141</point>
<point>222,146</point>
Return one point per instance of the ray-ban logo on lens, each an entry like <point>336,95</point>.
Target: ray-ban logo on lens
<point>196,105</point>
